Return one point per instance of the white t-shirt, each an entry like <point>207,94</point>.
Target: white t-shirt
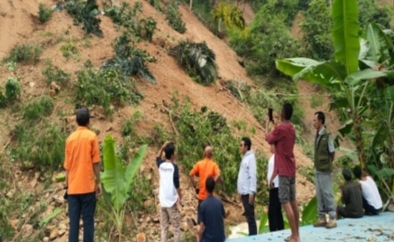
<point>371,193</point>
<point>169,180</point>
<point>271,163</point>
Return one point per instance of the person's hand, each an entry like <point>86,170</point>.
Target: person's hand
<point>251,199</point>
<point>165,144</point>
<point>272,185</point>
<point>99,189</point>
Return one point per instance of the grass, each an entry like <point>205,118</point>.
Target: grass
<point>38,109</point>
<point>25,53</point>
<point>44,13</point>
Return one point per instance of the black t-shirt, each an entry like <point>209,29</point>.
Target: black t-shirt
<point>211,213</point>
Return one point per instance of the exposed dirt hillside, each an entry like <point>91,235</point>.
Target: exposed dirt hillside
<point>19,24</point>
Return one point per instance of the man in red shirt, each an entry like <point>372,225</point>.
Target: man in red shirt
<point>283,137</point>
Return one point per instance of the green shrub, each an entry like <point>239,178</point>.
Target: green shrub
<point>286,9</point>
<point>175,18</point>
<point>240,90</point>
<point>12,89</point>
<point>40,145</point>
<point>37,109</point>
<point>159,135</point>
<point>268,39</point>
<point>24,54</point>
<point>197,60</point>
<point>105,87</point>
<point>85,13</point>
<point>196,129</point>
<point>44,13</point>
<point>369,11</point>
<point>129,60</point>
<point>55,74</point>
<point>128,17</point>
<point>3,99</point>
<point>69,50</point>
<point>317,40</point>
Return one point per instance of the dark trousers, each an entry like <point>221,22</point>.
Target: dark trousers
<point>249,214</point>
<point>275,217</point>
<point>198,211</point>
<point>368,209</point>
<point>81,204</point>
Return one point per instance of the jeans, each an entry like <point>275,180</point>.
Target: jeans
<point>275,217</point>
<point>249,214</point>
<point>324,195</point>
<point>368,209</point>
<point>85,205</point>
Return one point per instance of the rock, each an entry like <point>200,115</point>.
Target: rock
<point>62,232</point>
<point>59,200</point>
<point>10,194</point>
<point>141,220</point>
<point>14,223</point>
<point>53,235</point>
<point>108,129</point>
<point>46,239</point>
<point>27,229</point>
<point>184,226</point>
<point>156,219</point>
<point>148,203</point>
<point>62,226</point>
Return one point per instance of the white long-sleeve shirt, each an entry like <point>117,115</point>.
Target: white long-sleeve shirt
<point>247,180</point>
<point>271,165</point>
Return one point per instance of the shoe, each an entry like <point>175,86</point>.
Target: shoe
<point>332,223</point>
<point>321,222</point>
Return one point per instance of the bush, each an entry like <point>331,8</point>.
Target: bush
<point>69,50</point>
<point>40,108</point>
<point>128,17</point>
<point>369,11</point>
<point>268,39</point>
<point>24,54</point>
<point>286,9</point>
<point>85,13</point>
<point>175,18</point>
<point>44,13</point>
<point>197,129</point>
<point>55,74</point>
<point>41,145</point>
<point>197,60</point>
<point>105,87</point>
<point>12,89</point>
<point>129,60</point>
<point>240,90</point>
<point>315,26</point>
<point>3,100</point>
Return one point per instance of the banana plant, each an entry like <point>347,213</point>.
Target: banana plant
<point>343,72</point>
<point>117,181</point>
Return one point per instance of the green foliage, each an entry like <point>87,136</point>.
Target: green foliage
<point>230,14</point>
<point>286,9</point>
<point>317,40</point>
<point>105,87</point>
<point>3,100</point>
<point>175,18</point>
<point>37,109</point>
<point>240,90</point>
<point>47,219</point>
<point>55,74</point>
<point>268,39</point>
<point>39,145</point>
<point>371,12</point>
<point>128,17</point>
<point>309,213</point>
<point>44,13</point>
<point>12,89</point>
<point>85,13</point>
<point>24,54</point>
<point>308,172</point>
<point>129,60</point>
<point>196,129</point>
<point>117,181</point>
<point>197,60</point>
<point>69,49</point>
<point>202,9</point>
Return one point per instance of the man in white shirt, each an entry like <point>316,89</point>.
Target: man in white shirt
<point>169,192</point>
<point>372,202</point>
<point>275,217</point>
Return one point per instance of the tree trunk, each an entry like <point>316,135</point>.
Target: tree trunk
<point>190,7</point>
<point>359,141</point>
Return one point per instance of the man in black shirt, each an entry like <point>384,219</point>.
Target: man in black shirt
<point>211,215</point>
<point>351,198</point>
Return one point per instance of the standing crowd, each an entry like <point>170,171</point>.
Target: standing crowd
<point>83,183</point>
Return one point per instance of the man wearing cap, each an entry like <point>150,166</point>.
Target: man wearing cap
<point>351,198</point>
<point>82,165</point>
